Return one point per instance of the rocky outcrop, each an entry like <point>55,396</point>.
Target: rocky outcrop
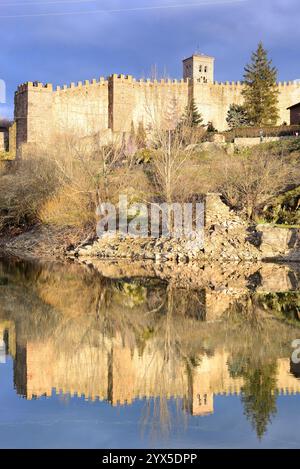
<point>226,237</point>
<point>279,243</point>
<point>128,247</point>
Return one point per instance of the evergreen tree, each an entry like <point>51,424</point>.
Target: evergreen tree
<point>237,117</point>
<point>192,117</point>
<point>260,91</point>
<point>211,128</point>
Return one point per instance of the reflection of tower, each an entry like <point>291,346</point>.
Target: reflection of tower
<point>121,375</point>
<point>20,370</point>
<point>210,377</point>
<point>201,398</point>
<point>203,403</point>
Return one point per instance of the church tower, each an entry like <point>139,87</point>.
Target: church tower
<point>199,68</point>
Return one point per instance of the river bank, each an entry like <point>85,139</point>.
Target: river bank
<point>225,238</point>
<point>42,242</point>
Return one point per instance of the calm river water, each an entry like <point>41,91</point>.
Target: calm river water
<point>103,359</point>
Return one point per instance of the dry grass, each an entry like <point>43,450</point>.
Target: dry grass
<point>23,191</point>
<point>63,183</point>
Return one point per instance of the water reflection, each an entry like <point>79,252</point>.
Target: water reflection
<point>98,333</point>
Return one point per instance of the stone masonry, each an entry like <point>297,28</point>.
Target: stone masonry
<point>113,105</point>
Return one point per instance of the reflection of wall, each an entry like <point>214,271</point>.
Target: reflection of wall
<point>113,373</point>
<point>120,375</point>
<point>84,371</point>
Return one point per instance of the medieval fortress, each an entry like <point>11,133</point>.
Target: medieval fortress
<point>112,106</point>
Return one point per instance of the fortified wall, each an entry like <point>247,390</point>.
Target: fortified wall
<point>113,105</point>
<point>213,100</point>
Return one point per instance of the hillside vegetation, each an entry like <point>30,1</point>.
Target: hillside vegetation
<point>62,184</point>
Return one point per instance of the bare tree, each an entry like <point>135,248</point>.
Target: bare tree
<point>251,179</point>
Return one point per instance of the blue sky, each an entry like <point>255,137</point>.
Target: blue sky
<point>60,41</point>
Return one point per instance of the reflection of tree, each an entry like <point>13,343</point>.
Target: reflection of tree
<point>251,330</point>
<point>259,395</point>
<point>284,304</point>
<point>254,359</point>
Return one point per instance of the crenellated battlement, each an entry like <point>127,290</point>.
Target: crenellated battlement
<point>48,87</point>
<point>295,83</point>
<point>83,84</point>
<point>237,84</point>
<point>34,85</point>
<point>31,85</point>
<point>117,102</point>
<point>147,81</point>
<point>231,84</point>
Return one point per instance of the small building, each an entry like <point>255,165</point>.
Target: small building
<point>295,114</point>
<point>8,137</point>
<point>4,130</point>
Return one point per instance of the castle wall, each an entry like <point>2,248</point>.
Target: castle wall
<point>147,102</point>
<point>81,109</point>
<point>2,140</point>
<point>98,107</point>
<point>214,100</point>
<point>289,94</point>
<point>33,113</point>
<point>41,113</point>
<point>21,114</point>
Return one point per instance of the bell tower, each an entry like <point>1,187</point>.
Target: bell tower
<point>199,68</point>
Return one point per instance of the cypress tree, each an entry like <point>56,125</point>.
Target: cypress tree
<point>260,91</point>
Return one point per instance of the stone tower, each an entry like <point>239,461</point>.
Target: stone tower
<point>199,68</point>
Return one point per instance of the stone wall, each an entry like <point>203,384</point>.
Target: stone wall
<point>12,142</point>
<point>2,141</point>
<point>289,94</point>
<point>96,106</point>
<point>81,109</point>
<point>214,100</point>
<point>34,113</point>
<point>253,141</point>
<point>148,102</point>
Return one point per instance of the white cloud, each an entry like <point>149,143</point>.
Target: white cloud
<point>6,111</point>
